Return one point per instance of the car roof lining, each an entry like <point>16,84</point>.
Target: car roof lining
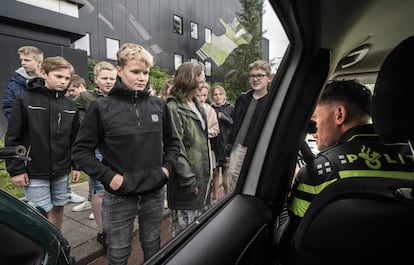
<point>345,29</point>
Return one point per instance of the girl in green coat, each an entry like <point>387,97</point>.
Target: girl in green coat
<point>189,188</point>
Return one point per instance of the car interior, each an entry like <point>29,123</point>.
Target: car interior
<point>366,222</point>
<point>369,216</point>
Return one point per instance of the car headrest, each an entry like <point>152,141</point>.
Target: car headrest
<point>393,99</point>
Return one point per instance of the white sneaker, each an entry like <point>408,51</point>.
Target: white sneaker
<point>82,207</point>
<point>73,197</point>
<point>91,217</point>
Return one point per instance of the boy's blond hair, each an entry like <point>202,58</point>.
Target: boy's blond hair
<point>31,50</point>
<point>103,65</point>
<point>262,65</point>
<point>219,88</point>
<point>55,63</point>
<point>134,52</point>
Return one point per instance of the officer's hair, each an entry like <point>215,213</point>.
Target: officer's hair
<point>356,96</point>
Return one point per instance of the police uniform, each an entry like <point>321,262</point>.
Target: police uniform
<point>360,152</point>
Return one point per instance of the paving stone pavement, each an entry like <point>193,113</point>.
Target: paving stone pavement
<point>81,233</point>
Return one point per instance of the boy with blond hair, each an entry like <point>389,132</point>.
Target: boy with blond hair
<point>124,126</point>
<point>46,123</point>
<point>30,59</point>
<point>104,77</point>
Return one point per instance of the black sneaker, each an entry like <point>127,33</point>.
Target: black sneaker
<point>101,238</point>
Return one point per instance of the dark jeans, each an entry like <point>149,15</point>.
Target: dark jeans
<point>118,214</point>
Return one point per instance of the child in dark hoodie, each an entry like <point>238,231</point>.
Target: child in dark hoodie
<point>139,144</point>
<point>31,59</point>
<point>46,123</point>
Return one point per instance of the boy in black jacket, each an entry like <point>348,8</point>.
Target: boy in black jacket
<point>138,141</point>
<point>46,123</point>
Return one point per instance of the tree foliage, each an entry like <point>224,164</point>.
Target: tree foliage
<point>91,80</point>
<point>237,63</point>
<point>158,77</point>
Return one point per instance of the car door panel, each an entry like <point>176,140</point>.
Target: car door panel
<point>233,236</point>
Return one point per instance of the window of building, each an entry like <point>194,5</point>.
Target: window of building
<point>207,66</point>
<point>193,30</point>
<point>83,44</point>
<point>178,60</point>
<point>60,6</point>
<point>193,60</point>
<point>177,24</point>
<point>112,47</point>
<point>207,35</point>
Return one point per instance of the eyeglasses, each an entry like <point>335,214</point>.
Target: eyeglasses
<point>258,77</point>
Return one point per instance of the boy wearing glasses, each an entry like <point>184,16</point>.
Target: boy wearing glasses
<point>248,106</point>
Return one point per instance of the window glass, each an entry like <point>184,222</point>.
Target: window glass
<point>83,44</point>
<point>193,30</point>
<point>207,35</point>
<point>177,24</point>
<point>63,7</point>
<point>207,65</point>
<point>244,124</point>
<point>112,47</point>
<point>178,60</point>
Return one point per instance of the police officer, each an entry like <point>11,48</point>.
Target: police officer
<point>349,147</point>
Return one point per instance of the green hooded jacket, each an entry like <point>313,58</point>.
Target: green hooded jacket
<point>193,168</point>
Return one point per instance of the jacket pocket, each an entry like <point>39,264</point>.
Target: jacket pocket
<point>141,182</point>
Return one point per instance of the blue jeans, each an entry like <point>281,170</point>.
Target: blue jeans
<point>118,214</point>
<point>95,186</point>
<point>47,193</point>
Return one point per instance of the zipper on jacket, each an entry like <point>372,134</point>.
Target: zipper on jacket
<point>137,112</point>
<point>59,120</point>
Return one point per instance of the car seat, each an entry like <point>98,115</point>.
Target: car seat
<point>368,220</point>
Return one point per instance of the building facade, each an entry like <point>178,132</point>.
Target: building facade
<point>174,31</point>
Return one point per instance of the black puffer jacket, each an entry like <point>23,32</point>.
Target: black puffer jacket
<point>136,137</point>
<point>46,123</point>
<point>219,143</point>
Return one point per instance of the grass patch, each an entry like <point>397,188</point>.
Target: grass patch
<point>7,184</point>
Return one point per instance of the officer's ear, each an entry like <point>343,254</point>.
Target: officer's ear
<point>340,114</point>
